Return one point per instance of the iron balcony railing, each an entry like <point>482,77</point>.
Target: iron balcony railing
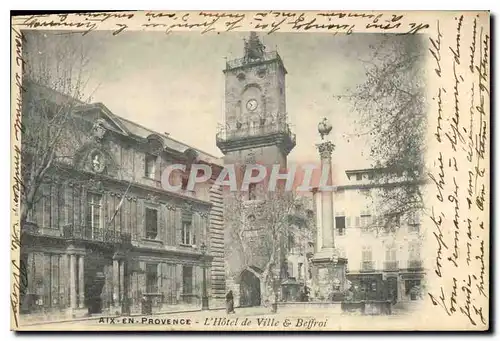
<point>245,129</point>
<point>415,264</point>
<point>368,265</point>
<point>104,235</point>
<point>267,56</point>
<point>391,265</point>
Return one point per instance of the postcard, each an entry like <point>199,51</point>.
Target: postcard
<point>250,171</point>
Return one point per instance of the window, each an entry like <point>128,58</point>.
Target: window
<point>94,211</point>
<point>390,253</point>
<point>41,210</point>
<point>366,259</point>
<point>359,177</point>
<point>340,225</point>
<point>370,176</point>
<point>151,223</point>
<point>150,166</point>
<point>46,212</point>
<point>414,252</point>
<point>151,278</point>
<point>300,270</point>
<point>366,254</point>
<point>187,233</point>
<point>187,279</point>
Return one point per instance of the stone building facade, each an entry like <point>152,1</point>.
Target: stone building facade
<point>104,233</point>
<point>384,260</point>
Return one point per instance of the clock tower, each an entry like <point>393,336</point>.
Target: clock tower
<point>255,131</point>
<point>255,127</point>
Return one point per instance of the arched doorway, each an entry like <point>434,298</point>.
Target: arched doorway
<point>249,289</point>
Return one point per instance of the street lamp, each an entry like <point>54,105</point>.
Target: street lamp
<point>204,298</point>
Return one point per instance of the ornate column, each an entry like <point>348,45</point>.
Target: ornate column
<point>81,282</point>
<point>329,270</point>
<point>116,282</point>
<point>122,279</point>
<point>325,151</point>
<point>72,281</point>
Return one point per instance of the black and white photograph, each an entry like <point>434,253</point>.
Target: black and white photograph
<point>250,171</point>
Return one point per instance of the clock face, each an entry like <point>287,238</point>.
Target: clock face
<point>252,105</point>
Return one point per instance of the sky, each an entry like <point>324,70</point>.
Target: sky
<point>174,83</point>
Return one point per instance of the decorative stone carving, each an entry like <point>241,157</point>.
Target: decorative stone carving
<point>99,129</point>
<point>153,198</point>
<point>171,207</point>
<point>155,144</point>
<point>325,149</point>
<point>95,185</point>
<point>187,207</point>
<point>250,159</point>
<point>97,160</point>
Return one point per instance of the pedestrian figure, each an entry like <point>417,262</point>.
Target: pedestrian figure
<point>230,302</point>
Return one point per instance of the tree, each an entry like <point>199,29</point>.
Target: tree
<point>268,220</point>
<point>391,104</point>
<point>54,80</point>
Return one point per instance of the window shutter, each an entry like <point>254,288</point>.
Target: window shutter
<point>347,222</point>
<point>197,228</point>
<point>161,224</point>
<point>178,281</point>
<point>142,277</point>
<point>141,219</point>
<point>171,226</point>
<point>198,280</point>
<point>178,226</point>
<point>159,274</point>
<point>54,207</point>
<point>157,173</point>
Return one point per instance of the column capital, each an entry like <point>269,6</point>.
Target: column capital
<point>119,256</point>
<point>325,149</point>
<point>72,250</point>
